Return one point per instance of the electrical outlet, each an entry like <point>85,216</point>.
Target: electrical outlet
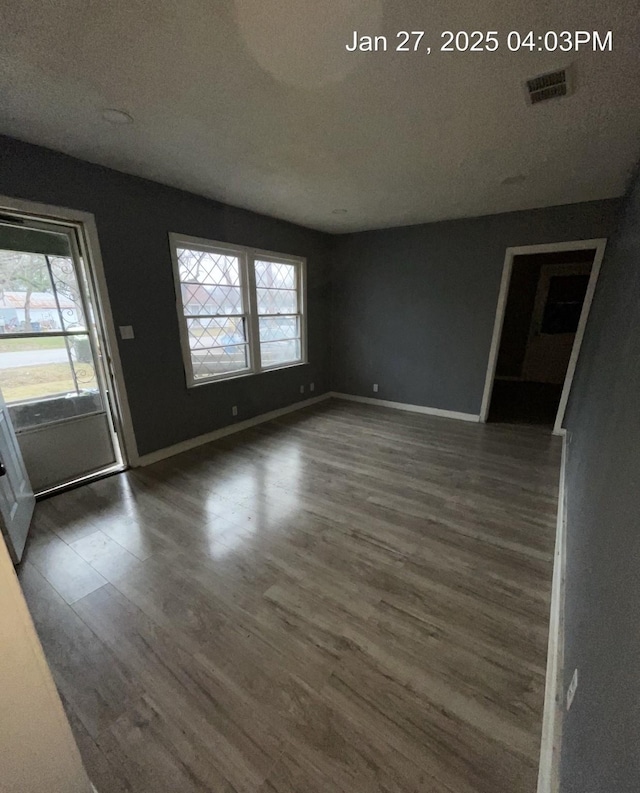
<point>312,386</point>
<point>234,410</point>
<point>571,691</point>
<point>375,388</point>
<point>302,389</point>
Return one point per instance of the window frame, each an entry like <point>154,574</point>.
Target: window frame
<point>247,257</point>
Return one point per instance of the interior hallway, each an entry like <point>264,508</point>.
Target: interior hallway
<point>520,402</point>
<point>348,598</point>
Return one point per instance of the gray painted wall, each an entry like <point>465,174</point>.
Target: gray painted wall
<point>414,307</point>
<point>409,308</point>
<point>133,217</point>
<point>601,733</point>
<point>413,310</point>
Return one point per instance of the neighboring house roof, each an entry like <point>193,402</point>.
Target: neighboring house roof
<point>206,294</point>
<point>196,292</point>
<point>37,300</point>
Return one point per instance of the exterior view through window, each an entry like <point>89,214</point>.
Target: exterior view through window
<point>240,311</point>
<point>45,350</point>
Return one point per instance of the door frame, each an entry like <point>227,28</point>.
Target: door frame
<point>599,244</point>
<point>85,227</point>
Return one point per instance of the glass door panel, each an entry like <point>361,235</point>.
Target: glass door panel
<point>50,363</point>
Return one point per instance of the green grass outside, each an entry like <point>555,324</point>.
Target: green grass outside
<point>43,380</point>
<point>41,343</point>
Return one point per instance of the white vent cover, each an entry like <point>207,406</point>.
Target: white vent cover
<point>551,85</point>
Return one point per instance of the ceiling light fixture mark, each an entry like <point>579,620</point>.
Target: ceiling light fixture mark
<point>515,179</point>
<point>114,116</point>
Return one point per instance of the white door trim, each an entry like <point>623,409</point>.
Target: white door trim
<point>85,224</point>
<point>599,245</point>
<point>549,764</point>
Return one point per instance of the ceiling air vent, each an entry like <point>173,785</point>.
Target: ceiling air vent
<point>548,86</point>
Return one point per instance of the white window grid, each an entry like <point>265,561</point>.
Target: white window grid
<point>251,318</point>
<point>296,315</point>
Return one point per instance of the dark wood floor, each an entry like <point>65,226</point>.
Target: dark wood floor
<point>346,599</point>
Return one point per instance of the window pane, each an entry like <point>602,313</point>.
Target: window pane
<point>39,368</point>
<point>275,328</point>
<point>275,275</point>
<point>277,301</point>
<point>39,293</point>
<point>206,267</point>
<point>219,332</point>
<point>67,289</point>
<point>280,352</point>
<point>220,360</point>
<point>564,303</point>
<point>209,299</point>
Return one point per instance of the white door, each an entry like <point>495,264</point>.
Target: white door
<point>16,496</point>
<point>53,371</point>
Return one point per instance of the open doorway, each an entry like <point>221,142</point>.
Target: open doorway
<point>55,372</point>
<point>543,306</point>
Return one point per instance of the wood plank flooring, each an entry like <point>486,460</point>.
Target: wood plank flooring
<point>347,599</point>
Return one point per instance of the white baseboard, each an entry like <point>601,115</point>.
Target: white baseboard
<point>192,443</point>
<point>200,440</point>
<point>548,781</point>
<point>385,403</point>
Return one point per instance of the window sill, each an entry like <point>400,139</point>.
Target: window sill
<point>240,375</point>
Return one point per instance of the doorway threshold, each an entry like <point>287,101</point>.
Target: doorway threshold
<point>117,468</point>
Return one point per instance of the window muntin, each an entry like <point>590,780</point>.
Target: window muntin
<point>240,310</point>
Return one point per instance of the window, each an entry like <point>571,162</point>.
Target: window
<point>240,310</point>
<point>279,314</point>
<point>47,370</point>
<point>564,303</point>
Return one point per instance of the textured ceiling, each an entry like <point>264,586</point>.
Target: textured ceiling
<point>257,103</point>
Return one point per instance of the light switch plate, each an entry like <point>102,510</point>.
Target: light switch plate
<point>126,332</point>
